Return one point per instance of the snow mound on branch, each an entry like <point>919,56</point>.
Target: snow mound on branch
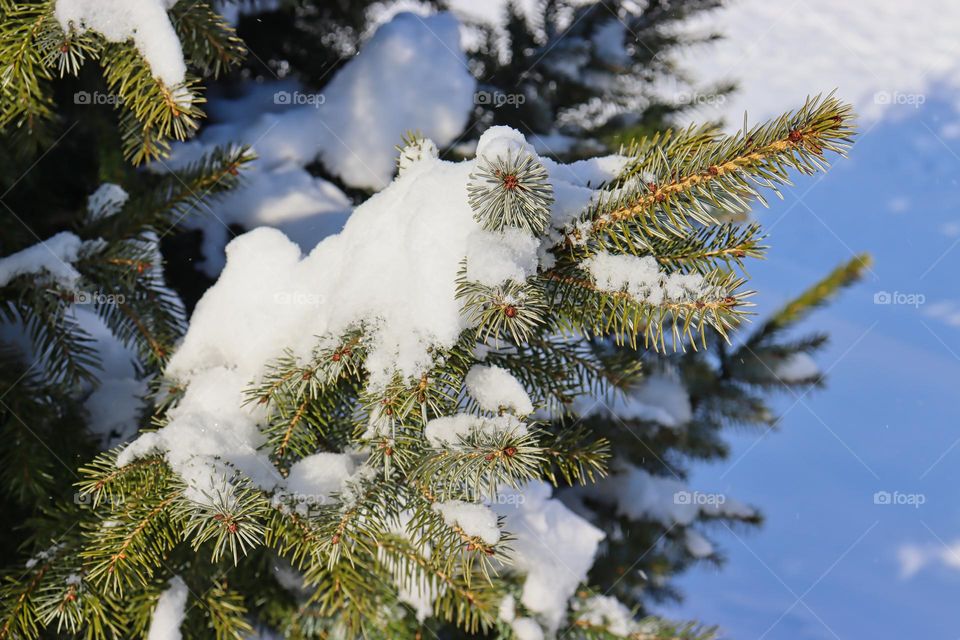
<point>320,475</point>
<point>410,76</point>
<point>494,388</point>
<point>475,520</point>
<point>392,270</point>
<point>143,21</point>
<point>642,279</point>
<point>170,611</point>
<point>554,548</point>
<point>448,431</point>
<point>53,258</point>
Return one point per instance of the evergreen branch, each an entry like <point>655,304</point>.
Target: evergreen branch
<point>724,173</point>
<point>814,297</point>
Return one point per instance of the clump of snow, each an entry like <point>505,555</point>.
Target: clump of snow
<point>526,629</point>
<point>144,21</point>
<point>507,610</point>
<point>448,431</point>
<point>320,475</point>
<point>608,613</point>
<point>170,612</point>
<point>697,545</point>
<point>796,367</point>
<point>106,201</point>
<point>392,272</point>
<point>494,388</point>
<point>475,520</point>
<point>660,397</point>
<point>52,258</point>
<point>642,279</point>
<point>495,257</point>
<point>502,143</point>
<point>114,405</point>
<point>554,548</point>
<point>411,75</point>
<point>417,150</point>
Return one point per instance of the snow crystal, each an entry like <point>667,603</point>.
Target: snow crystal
<point>526,629</point>
<point>607,613</point>
<point>448,431</point>
<point>494,388</point>
<point>643,280</point>
<point>495,257</point>
<point>52,257</point>
<point>553,547</point>
<point>144,21</point>
<point>169,612</point>
<point>106,201</point>
<point>476,520</point>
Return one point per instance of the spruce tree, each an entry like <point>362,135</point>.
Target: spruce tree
<point>379,481</point>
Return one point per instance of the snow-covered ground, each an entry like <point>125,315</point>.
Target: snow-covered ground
<point>858,483</point>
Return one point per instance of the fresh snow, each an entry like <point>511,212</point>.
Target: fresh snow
<point>447,432</point>
<point>607,613</point>
<point>106,201</point>
<point>475,520</point>
<point>526,629</point>
<point>143,21</point>
<point>496,257</point>
<point>553,547</point>
<point>410,76</point>
<point>643,280</point>
<point>52,258</point>
<point>494,388</point>
<point>393,271</point>
<point>170,611</point>
<point>320,475</point>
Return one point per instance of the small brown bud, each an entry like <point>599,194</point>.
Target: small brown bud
<point>510,451</point>
<point>796,135</point>
<point>713,170</point>
<point>232,527</point>
<point>336,356</point>
<point>510,182</point>
<point>335,539</point>
<point>510,311</point>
